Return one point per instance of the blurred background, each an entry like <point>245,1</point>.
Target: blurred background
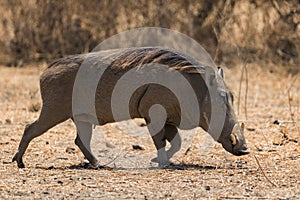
<point>231,31</point>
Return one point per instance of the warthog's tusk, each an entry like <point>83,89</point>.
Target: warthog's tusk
<point>233,134</point>
<point>233,139</point>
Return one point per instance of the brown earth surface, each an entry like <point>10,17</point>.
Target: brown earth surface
<point>56,169</point>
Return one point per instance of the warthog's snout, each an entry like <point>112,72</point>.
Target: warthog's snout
<point>238,140</point>
<point>235,143</point>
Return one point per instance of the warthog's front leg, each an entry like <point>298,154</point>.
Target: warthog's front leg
<point>31,131</point>
<point>83,140</point>
<point>46,121</point>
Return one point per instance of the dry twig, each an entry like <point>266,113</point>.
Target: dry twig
<point>262,171</point>
<point>113,160</point>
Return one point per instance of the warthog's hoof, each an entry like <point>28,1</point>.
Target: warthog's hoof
<point>163,164</point>
<point>19,162</point>
<point>21,165</point>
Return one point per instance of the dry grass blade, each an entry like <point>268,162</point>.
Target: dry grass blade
<point>244,70</point>
<point>218,43</point>
<point>291,112</point>
<point>246,92</point>
<point>262,171</point>
<point>113,160</point>
<point>240,88</point>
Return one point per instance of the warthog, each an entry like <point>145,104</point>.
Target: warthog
<point>57,91</point>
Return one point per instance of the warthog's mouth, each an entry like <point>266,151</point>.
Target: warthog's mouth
<point>243,150</point>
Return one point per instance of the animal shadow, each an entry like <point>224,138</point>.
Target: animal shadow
<point>172,166</point>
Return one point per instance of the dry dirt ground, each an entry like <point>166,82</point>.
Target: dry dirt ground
<point>56,169</point>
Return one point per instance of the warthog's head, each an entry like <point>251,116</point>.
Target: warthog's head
<point>233,140</point>
<point>223,125</point>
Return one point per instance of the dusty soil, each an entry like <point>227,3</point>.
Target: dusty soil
<point>56,169</point>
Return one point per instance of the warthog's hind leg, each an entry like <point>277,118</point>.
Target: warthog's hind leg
<point>169,133</point>
<point>83,140</point>
<point>172,135</point>
<point>160,144</point>
<point>35,129</point>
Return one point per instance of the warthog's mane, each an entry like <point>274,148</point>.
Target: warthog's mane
<point>135,57</point>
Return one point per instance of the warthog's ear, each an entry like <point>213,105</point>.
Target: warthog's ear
<point>221,72</point>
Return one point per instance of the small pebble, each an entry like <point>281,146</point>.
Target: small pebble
<point>137,147</point>
<point>51,167</point>
<point>8,121</point>
<point>207,187</point>
<point>35,107</point>
<point>109,145</point>
<point>70,150</point>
